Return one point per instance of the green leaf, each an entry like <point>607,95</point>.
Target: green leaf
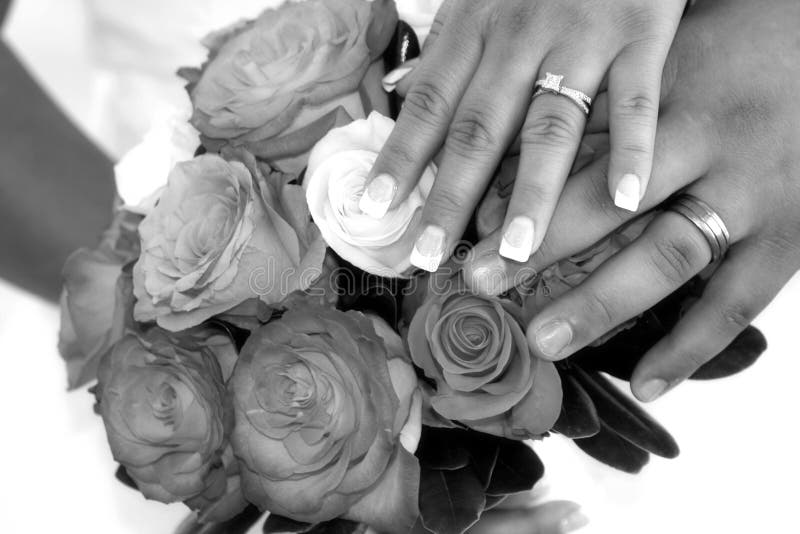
<point>516,469</point>
<point>278,523</point>
<point>625,416</point>
<point>238,525</point>
<point>450,501</point>
<point>739,355</point>
<point>613,450</point>
<point>578,417</point>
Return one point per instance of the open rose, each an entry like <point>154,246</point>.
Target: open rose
<point>335,179</point>
<point>223,232</point>
<point>475,351</point>
<point>278,83</point>
<point>167,421</point>
<point>321,400</point>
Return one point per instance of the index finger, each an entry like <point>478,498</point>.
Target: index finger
<point>440,81</point>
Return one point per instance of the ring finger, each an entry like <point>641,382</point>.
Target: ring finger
<point>549,140</point>
<point>669,252</point>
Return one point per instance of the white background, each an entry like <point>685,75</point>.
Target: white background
<point>738,471</point>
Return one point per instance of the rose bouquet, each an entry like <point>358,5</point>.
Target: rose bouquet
<point>261,345</point>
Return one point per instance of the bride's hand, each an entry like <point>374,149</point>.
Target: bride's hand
<point>471,94</point>
<point>728,134</point>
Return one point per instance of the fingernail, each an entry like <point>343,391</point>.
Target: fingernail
<point>652,389</point>
<point>576,520</point>
<point>628,193</point>
<point>428,249</point>
<point>390,81</point>
<point>518,240</point>
<point>378,195</point>
<point>553,338</point>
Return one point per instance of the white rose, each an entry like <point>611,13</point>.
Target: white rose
<point>335,179</point>
<point>142,172</point>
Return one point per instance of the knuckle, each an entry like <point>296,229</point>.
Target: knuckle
<point>427,103</point>
<point>398,155</point>
<point>444,203</point>
<point>676,259</point>
<point>637,106</point>
<point>600,313</point>
<point>737,315</point>
<point>532,192</point>
<point>595,198</point>
<point>470,134</point>
<point>640,17</point>
<point>551,129</point>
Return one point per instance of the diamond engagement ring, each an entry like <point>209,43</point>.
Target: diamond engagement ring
<point>552,84</point>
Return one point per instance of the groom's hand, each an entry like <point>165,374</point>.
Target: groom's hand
<point>728,134</point>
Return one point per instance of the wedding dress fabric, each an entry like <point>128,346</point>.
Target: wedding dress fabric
<point>110,64</point>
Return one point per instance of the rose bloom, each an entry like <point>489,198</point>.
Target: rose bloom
<point>278,83</point>
<point>322,398</point>
<point>475,351</point>
<point>167,420</point>
<point>223,232</point>
<point>335,179</point>
<point>96,298</point>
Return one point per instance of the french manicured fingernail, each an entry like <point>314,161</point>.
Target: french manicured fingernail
<point>390,81</point>
<point>553,338</point>
<point>429,249</point>
<point>517,242</point>
<point>629,192</point>
<point>378,196</point>
<point>652,389</point>
<point>576,520</point>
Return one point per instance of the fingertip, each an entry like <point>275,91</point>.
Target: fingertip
<point>628,192</point>
<point>550,339</point>
<point>378,196</point>
<point>650,389</point>
<point>486,276</point>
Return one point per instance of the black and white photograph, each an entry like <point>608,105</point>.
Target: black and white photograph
<point>399,266</point>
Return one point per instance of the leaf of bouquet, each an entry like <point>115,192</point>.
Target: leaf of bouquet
<point>277,523</point>
<point>442,449</point>
<point>403,47</point>
<point>238,525</point>
<point>625,417</point>
<point>578,417</point>
<point>122,475</point>
<point>517,468</point>
<point>739,355</point>
<point>337,526</point>
<point>611,449</point>
<point>450,501</point>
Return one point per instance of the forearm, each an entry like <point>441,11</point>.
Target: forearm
<point>56,187</point>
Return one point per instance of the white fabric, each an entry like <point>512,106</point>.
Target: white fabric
<point>109,63</point>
